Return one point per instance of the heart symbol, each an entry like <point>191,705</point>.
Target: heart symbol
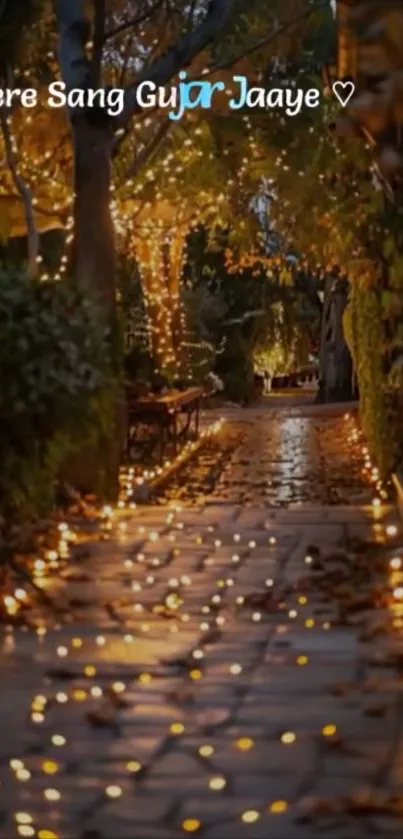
<point>343,91</point>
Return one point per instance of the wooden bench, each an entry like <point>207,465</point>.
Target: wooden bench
<point>160,423</point>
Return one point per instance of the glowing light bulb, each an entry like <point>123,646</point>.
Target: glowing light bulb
<point>217,783</point>
<point>288,737</point>
<point>113,791</point>
<point>244,744</point>
<point>250,816</point>
<point>190,825</point>
<point>52,795</point>
<point>206,751</point>
<point>329,730</point>
<point>58,740</point>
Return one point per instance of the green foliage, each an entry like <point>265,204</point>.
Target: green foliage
<point>54,386</point>
<point>15,17</point>
<point>245,311</point>
<point>235,367</point>
<point>364,334</point>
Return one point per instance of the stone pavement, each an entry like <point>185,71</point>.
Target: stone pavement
<point>290,452</point>
<point>203,686</point>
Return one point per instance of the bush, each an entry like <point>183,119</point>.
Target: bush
<point>365,335</point>
<point>54,377</point>
<point>235,367</point>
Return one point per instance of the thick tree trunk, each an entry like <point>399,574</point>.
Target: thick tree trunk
<point>97,468</point>
<point>95,255</point>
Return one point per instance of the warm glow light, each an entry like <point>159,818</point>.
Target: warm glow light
<point>329,730</point>
<point>113,791</point>
<point>217,783</point>
<point>50,767</point>
<point>25,830</point>
<point>79,695</point>
<point>244,744</point>
<point>391,530</point>
<point>250,816</point>
<point>206,751</point>
<point>177,728</point>
<point>190,825</point>
<point>288,737</point>
<point>278,807</point>
<point>52,794</point>
<point>395,563</point>
<point>302,659</point>
<point>58,740</point>
<point>23,774</point>
<point>133,766</point>
<point>23,818</point>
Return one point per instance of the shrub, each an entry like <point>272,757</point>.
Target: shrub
<point>235,367</point>
<point>54,375</point>
<point>364,330</point>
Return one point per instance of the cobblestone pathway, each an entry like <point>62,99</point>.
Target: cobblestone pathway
<point>287,454</point>
<point>204,686</point>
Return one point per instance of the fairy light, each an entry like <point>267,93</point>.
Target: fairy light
<point>245,744</point>
<point>58,740</point>
<point>133,766</point>
<point>288,737</point>
<point>50,767</point>
<point>114,791</point>
<point>391,530</point>
<point>217,783</point>
<point>250,816</point>
<point>329,730</point>
<point>177,728</point>
<point>278,807</point>
<point>52,794</point>
<point>191,825</point>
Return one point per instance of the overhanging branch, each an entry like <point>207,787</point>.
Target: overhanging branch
<point>166,66</point>
<point>25,194</point>
<point>134,21</point>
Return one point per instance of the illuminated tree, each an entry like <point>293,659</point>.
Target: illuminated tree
<point>87,178</point>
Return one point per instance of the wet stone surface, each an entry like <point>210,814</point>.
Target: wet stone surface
<point>278,454</point>
<point>202,686</point>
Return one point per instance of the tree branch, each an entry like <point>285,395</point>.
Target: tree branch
<point>74,32</point>
<point>99,39</point>
<point>146,154</point>
<point>132,22</point>
<point>279,30</point>
<point>180,55</point>
<point>25,194</point>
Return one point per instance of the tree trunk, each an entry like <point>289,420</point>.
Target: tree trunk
<point>95,255</point>
<point>174,258</point>
<point>336,374</point>
<point>97,469</point>
<point>26,196</point>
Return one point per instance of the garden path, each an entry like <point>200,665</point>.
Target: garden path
<point>208,681</point>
